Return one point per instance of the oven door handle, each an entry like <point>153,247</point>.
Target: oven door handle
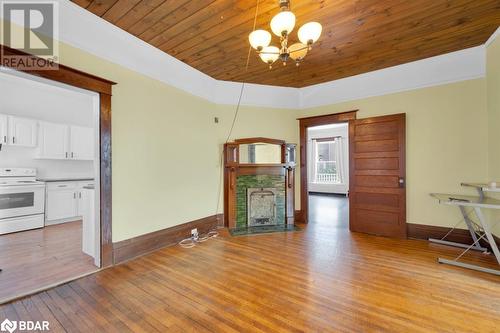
<point>21,187</point>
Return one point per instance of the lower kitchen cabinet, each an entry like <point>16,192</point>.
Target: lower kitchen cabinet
<point>64,201</point>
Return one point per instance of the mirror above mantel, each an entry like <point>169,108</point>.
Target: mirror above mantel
<point>260,151</point>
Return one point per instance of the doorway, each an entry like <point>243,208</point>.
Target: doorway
<point>49,184</point>
<point>328,175</point>
<point>377,171</point>
<point>328,182</point>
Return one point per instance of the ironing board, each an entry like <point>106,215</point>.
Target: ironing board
<point>477,203</point>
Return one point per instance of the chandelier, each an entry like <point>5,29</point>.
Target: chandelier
<point>282,25</point>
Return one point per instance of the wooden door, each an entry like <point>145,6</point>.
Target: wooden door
<point>377,193</point>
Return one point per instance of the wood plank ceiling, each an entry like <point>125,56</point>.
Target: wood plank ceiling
<point>358,36</point>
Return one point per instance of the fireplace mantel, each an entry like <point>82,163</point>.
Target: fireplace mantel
<point>241,174</point>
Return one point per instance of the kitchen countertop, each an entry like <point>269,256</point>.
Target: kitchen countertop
<point>67,179</point>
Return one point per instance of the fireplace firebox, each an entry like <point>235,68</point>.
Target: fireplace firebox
<point>261,206</point>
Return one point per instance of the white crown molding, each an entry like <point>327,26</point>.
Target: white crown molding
<point>258,95</point>
<point>492,37</point>
<point>88,32</point>
<point>448,68</point>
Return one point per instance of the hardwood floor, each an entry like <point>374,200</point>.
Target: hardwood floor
<point>320,279</point>
<point>34,259</point>
<point>329,210</point>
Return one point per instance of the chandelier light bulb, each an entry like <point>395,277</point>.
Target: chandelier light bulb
<point>269,54</point>
<point>309,33</point>
<point>283,23</point>
<point>297,51</point>
<point>259,39</point>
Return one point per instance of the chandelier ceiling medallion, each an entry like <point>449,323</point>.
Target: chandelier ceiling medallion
<point>282,25</point>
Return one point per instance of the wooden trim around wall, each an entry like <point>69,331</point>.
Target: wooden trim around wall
<point>299,218</point>
<point>259,140</point>
<point>423,231</point>
<point>64,74</point>
<point>304,123</point>
<point>103,87</point>
<point>141,245</point>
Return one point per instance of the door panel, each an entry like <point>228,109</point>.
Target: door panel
<point>82,143</point>
<point>54,141</point>
<point>61,204</point>
<point>23,131</point>
<point>377,197</point>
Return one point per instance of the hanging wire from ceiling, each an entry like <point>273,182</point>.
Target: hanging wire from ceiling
<point>194,239</point>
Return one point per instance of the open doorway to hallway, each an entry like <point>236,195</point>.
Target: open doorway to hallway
<point>328,175</point>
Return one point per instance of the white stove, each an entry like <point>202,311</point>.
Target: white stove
<point>22,200</point>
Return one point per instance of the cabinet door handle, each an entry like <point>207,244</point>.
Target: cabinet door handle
<point>5,138</point>
<point>79,195</point>
<point>62,185</point>
<point>72,154</point>
<point>13,139</point>
<point>74,195</point>
<point>66,154</point>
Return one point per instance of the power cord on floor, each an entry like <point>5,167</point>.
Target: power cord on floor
<point>196,238</point>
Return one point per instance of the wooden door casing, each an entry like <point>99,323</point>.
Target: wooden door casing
<point>377,187</point>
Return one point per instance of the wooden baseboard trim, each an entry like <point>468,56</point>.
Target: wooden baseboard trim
<point>299,217</point>
<point>140,245</point>
<point>422,231</point>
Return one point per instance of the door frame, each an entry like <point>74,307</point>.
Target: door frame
<point>103,88</point>
<point>304,123</point>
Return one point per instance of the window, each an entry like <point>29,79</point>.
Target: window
<point>326,167</point>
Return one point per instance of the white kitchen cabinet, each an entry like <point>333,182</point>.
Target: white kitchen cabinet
<point>80,189</point>
<point>61,201</point>
<point>60,141</point>
<point>82,143</point>
<point>65,201</point>
<point>4,139</point>
<point>53,141</point>
<point>22,131</point>
<point>89,226</point>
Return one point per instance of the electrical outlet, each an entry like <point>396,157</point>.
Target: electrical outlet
<point>194,232</point>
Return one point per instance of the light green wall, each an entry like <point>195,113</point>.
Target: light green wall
<point>493,93</point>
<point>446,141</point>
<point>493,105</point>
<point>165,165</point>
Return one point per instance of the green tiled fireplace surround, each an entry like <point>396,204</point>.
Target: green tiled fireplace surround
<point>255,181</point>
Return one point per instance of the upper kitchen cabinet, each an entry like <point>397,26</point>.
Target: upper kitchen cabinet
<point>3,129</point>
<point>22,131</point>
<point>60,141</point>
<point>53,141</point>
<point>82,143</point>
